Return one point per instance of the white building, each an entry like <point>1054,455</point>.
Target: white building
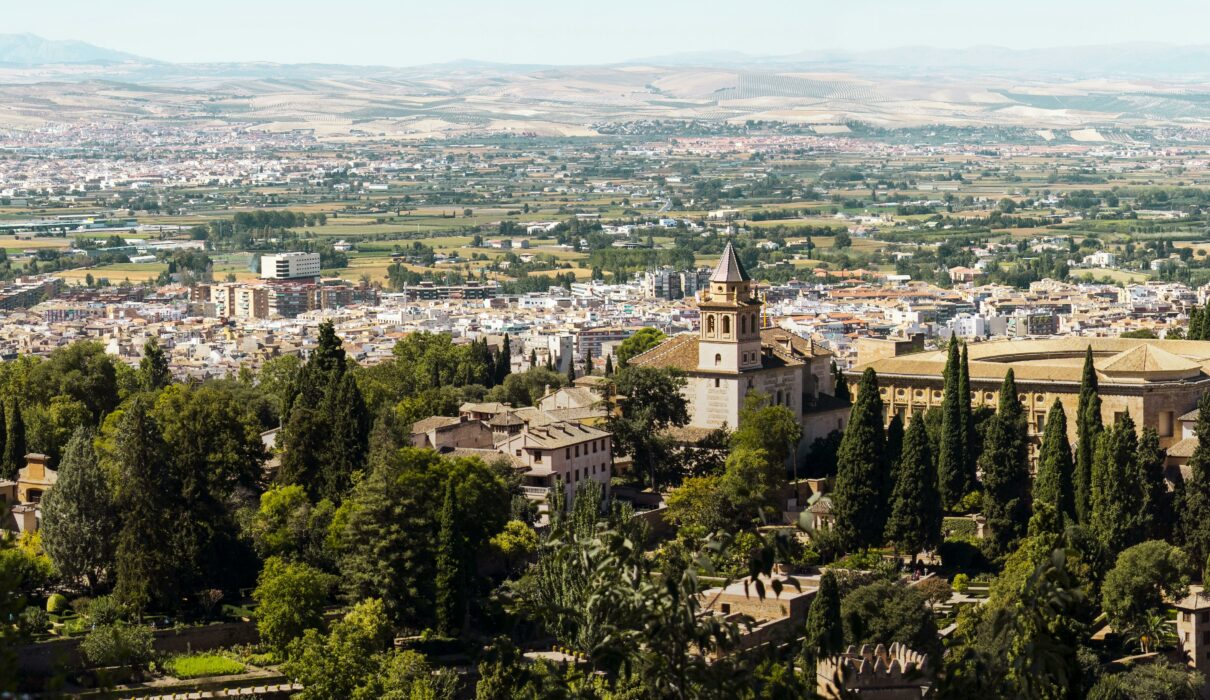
<point>289,266</point>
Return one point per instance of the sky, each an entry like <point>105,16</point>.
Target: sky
<point>577,32</point>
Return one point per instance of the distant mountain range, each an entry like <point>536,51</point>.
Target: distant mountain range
<point>32,50</point>
<point>1118,60</point>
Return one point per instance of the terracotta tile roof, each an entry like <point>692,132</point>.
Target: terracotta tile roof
<point>438,422</point>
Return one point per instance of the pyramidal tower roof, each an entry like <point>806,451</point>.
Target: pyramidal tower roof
<point>729,268</point>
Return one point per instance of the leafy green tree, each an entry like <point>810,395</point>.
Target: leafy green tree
<point>1162,680</point>
<point>696,504</point>
<point>883,612</point>
<point>118,644</point>
<point>81,371</point>
<point>1055,482</point>
<point>526,388</point>
<point>278,379</point>
<point>1117,494</point>
<point>1005,462</point>
<point>1144,577</point>
<point>336,665</point>
<point>390,525</point>
<point>773,429</point>
<point>824,635</point>
<point>639,343</point>
<point>859,503</point>
<point>951,450</point>
<point>1088,427</point>
<point>79,522</point>
<point>14,445</point>
<point>290,598</point>
<point>288,526</point>
<point>747,487</point>
<point>915,520</point>
<point>154,372</point>
<point>654,403</point>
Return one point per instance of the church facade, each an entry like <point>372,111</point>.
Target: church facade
<point>734,354</point>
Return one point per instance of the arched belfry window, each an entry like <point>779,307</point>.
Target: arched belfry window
<point>743,325</point>
<point>726,326</point>
<point>710,324</point>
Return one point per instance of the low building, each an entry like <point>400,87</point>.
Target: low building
<point>23,497</point>
<point>879,672</point>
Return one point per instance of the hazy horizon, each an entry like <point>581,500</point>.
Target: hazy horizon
<point>375,32</point>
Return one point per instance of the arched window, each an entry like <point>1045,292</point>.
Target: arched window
<point>726,326</point>
<point>779,397</point>
<point>743,325</point>
<point>710,324</point>
<point>718,360</point>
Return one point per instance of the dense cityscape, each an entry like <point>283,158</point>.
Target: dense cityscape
<point>801,387</point>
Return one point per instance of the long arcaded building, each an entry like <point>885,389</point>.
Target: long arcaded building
<point>1157,382</point>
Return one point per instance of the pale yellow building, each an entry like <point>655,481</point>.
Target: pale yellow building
<point>1156,382</point>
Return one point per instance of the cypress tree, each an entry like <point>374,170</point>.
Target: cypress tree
<point>894,445</point>
<point>609,365</point>
<point>1195,324</point>
<point>1055,483</point>
<point>1005,463</point>
<point>14,446</point>
<point>842,387</point>
<point>571,371</point>
<point>1088,427</point>
<point>588,363</point>
<point>329,355</point>
<point>970,437</point>
<point>951,452</point>
<point>78,517</point>
<point>550,361</point>
<point>533,359</point>
<point>451,566</point>
<point>1156,509</point>
<point>824,633</point>
<point>1195,502</point>
<point>1116,492</point>
<point>504,361</point>
<point>915,520</point>
<point>859,502</point>
<point>347,428</point>
<point>147,563</point>
<point>1204,325</point>
<point>154,372</point>
<point>3,442</point>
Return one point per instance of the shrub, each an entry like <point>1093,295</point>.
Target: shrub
<point>118,644</point>
<point>32,620</point>
<point>56,604</point>
<point>962,582</point>
<point>202,666</point>
<point>103,611</point>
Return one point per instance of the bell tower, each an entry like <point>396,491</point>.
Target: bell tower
<point>729,340</point>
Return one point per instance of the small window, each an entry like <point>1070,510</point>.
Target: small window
<point>1205,637</point>
<point>717,382</point>
<point>718,359</point>
<point>577,450</point>
<point>1166,423</point>
<point>726,608</point>
<point>567,453</point>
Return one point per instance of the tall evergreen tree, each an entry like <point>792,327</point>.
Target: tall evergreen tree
<point>533,359</point>
<point>451,579</point>
<point>1088,427</point>
<point>1005,464</point>
<point>1156,509</point>
<point>79,521</point>
<point>571,372</point>
<point>146,561</point>
<point>1116,492</point>
<point>915,520</point>
<point>970,437</point>
<point>609,365</point>
<point>841,390</point>
<point>504,361</point>
<point>894,446</point>
<point>14,446</point>
<point>3,442</point>
<point>328,357</point>
<point>859,502</point>
<point>824,633</point>
<point>951,451</point>
<point>154,372</point>
<point>1195,500</point>
<point>347,429</point>
<point>1055,482</point>
<point>587,363</point>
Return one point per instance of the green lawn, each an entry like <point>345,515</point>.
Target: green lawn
<point>202,666</point>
